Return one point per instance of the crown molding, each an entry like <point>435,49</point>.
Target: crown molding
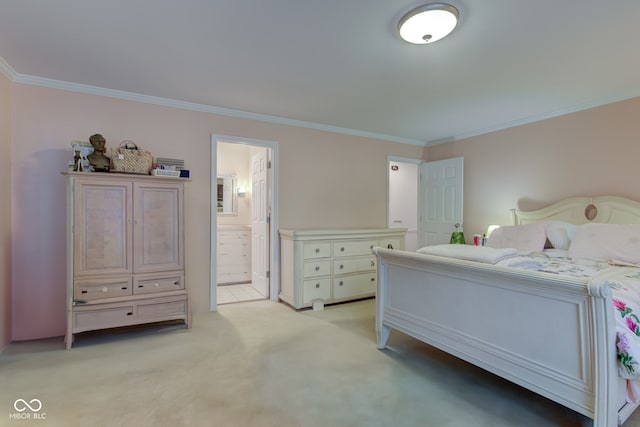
<point>183,105</point>
<point>536,118</point>
<point>6,69</point>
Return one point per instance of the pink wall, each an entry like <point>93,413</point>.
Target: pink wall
<point>326,180</point>
<point>588,153</point>
<point>5,211</point>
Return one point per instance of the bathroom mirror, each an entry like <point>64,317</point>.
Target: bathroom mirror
<point>227,196</point>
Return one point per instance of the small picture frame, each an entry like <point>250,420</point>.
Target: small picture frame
<point>80,150</point>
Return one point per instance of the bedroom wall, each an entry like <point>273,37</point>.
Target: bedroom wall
<point>588,153</point>
<point>5,211</point>
<point>326,180</point>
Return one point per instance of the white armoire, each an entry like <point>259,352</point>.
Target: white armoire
<point>125,251</point>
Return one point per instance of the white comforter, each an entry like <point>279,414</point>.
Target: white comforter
<point>471,253</point>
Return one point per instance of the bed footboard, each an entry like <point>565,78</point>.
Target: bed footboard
<point>552,335</point>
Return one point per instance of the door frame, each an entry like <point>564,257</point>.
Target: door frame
<point>274,241</point>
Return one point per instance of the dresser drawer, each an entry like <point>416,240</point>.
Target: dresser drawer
<point>316,268</point>
<point>354,286</point>
<point>159,284</point>
<point>354,265</point>
<point>87,290</point>
<point>316,289</point>
<point>232,235</point>
<point>227,259</point>
<point>316,250</point>
<point>234,248</point>
<point>390,243</point>
<point>352,247</point>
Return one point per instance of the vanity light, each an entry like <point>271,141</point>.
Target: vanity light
<point>242,191</point>
<point>428,23</point>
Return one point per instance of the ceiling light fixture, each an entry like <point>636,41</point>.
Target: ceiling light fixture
<point>428,23</point>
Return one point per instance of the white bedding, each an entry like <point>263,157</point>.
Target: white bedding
<point>470,253</point>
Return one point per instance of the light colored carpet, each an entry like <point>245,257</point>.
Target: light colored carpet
<point>263,364</point>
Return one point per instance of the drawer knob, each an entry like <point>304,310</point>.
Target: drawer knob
<point>317,285</point>
<point>155,285</point>
<point>341,266</point>
<point>373,279</point>
<point>317,268</point>
<point>130,314</point>
<point>342,249</point>
<point>177,282</point>
<point>124,288</point>
<point>317,250</point>
<point>371,247</point>
<point>341,283</point>
<point>373,264</point>
<point>389,246</point>
<point>104,289</point>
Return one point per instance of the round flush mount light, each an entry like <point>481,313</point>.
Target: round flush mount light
<point>428,23</point>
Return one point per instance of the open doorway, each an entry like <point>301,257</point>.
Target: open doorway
<point>402,203</point>
<point>244,243</point>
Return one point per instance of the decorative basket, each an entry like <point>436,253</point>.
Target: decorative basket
<point>127,158</point>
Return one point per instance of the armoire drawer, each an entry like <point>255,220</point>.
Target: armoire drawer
<point>163,310</point>
<point>316,289</point>
<point>87,290</point>
<point>354,265</point>
<point>111,317</point>
<point>159,284</point>
<point>354,285</point>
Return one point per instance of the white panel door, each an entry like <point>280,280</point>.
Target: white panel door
<point>441,200</point>
<point>259,224</point>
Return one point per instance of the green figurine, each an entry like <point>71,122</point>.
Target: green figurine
<point>457,236</point>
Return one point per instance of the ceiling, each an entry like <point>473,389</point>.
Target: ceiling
<point>335,64</point>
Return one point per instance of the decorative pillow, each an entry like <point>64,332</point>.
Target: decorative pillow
<point>524,238</point>
<point>607,242</point>
<point>560,234</point>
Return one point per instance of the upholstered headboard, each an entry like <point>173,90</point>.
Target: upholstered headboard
<point>582,210</point>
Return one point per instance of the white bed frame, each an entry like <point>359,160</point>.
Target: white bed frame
<point>552,335</point>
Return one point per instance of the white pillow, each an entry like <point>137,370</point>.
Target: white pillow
<point>607,242</point>
<point>524,238</point>
<point>561,233</point>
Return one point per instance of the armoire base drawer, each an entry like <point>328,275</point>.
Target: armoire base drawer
<point>102,316</point>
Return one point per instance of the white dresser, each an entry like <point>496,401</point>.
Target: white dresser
<point>327,266</point>
<point>234,254</point>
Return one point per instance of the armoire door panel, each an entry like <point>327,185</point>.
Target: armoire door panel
<point>158,235</point>
<point>102,228</point>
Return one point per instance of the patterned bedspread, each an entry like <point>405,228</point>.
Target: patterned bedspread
<point>625,289</point>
